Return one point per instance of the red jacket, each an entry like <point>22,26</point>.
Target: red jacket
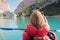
<point>34,32</point>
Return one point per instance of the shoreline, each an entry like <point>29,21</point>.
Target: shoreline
<point>54,16</point>
<point>46,16</point>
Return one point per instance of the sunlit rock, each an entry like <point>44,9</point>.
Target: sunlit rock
<point>4,6</point>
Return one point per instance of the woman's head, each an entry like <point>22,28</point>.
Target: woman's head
<point>36,18</point>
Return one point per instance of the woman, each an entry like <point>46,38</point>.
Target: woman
<point>38,28</point>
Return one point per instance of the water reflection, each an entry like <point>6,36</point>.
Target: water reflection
<point>23,19</point>
<point>22,23</point>
<point>4,23</point>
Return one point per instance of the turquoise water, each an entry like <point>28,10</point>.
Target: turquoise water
<point>54,23</point>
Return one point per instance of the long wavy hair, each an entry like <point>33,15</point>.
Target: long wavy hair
<point>35,19</point>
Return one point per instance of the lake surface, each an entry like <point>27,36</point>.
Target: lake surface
<point>22,22</point>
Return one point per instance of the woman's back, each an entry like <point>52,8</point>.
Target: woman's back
<point>38,28</point>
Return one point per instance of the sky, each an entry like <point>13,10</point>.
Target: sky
<point>13,4</point>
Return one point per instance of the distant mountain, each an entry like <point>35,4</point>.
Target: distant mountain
<point>24,4</point>
<point>4,6</point>
<point>49,7</point>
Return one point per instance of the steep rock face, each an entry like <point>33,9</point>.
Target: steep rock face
<point>48,6</point>
<point>24,4</point>
<point>3,6</point>
<point>53,9</point>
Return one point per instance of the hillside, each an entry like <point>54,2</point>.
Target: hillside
<point>50,8</point>
<point>53,9</point>
<point>25,4</point>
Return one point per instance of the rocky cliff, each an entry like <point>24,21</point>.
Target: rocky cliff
<point>3,6</point>
<point>24,4</point>
<point>49,7</point>
<point>53,9</point>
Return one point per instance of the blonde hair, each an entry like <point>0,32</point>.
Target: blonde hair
<point>36,19</point>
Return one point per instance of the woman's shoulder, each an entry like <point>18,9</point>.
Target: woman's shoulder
<point>31,30</point>
<point>29,23</point>
<point>46,27</point>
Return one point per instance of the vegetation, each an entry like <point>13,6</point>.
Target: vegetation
<point>53,9</point>
<point>1,14</point>
<point>50,10</point>
<point>28,10</point>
